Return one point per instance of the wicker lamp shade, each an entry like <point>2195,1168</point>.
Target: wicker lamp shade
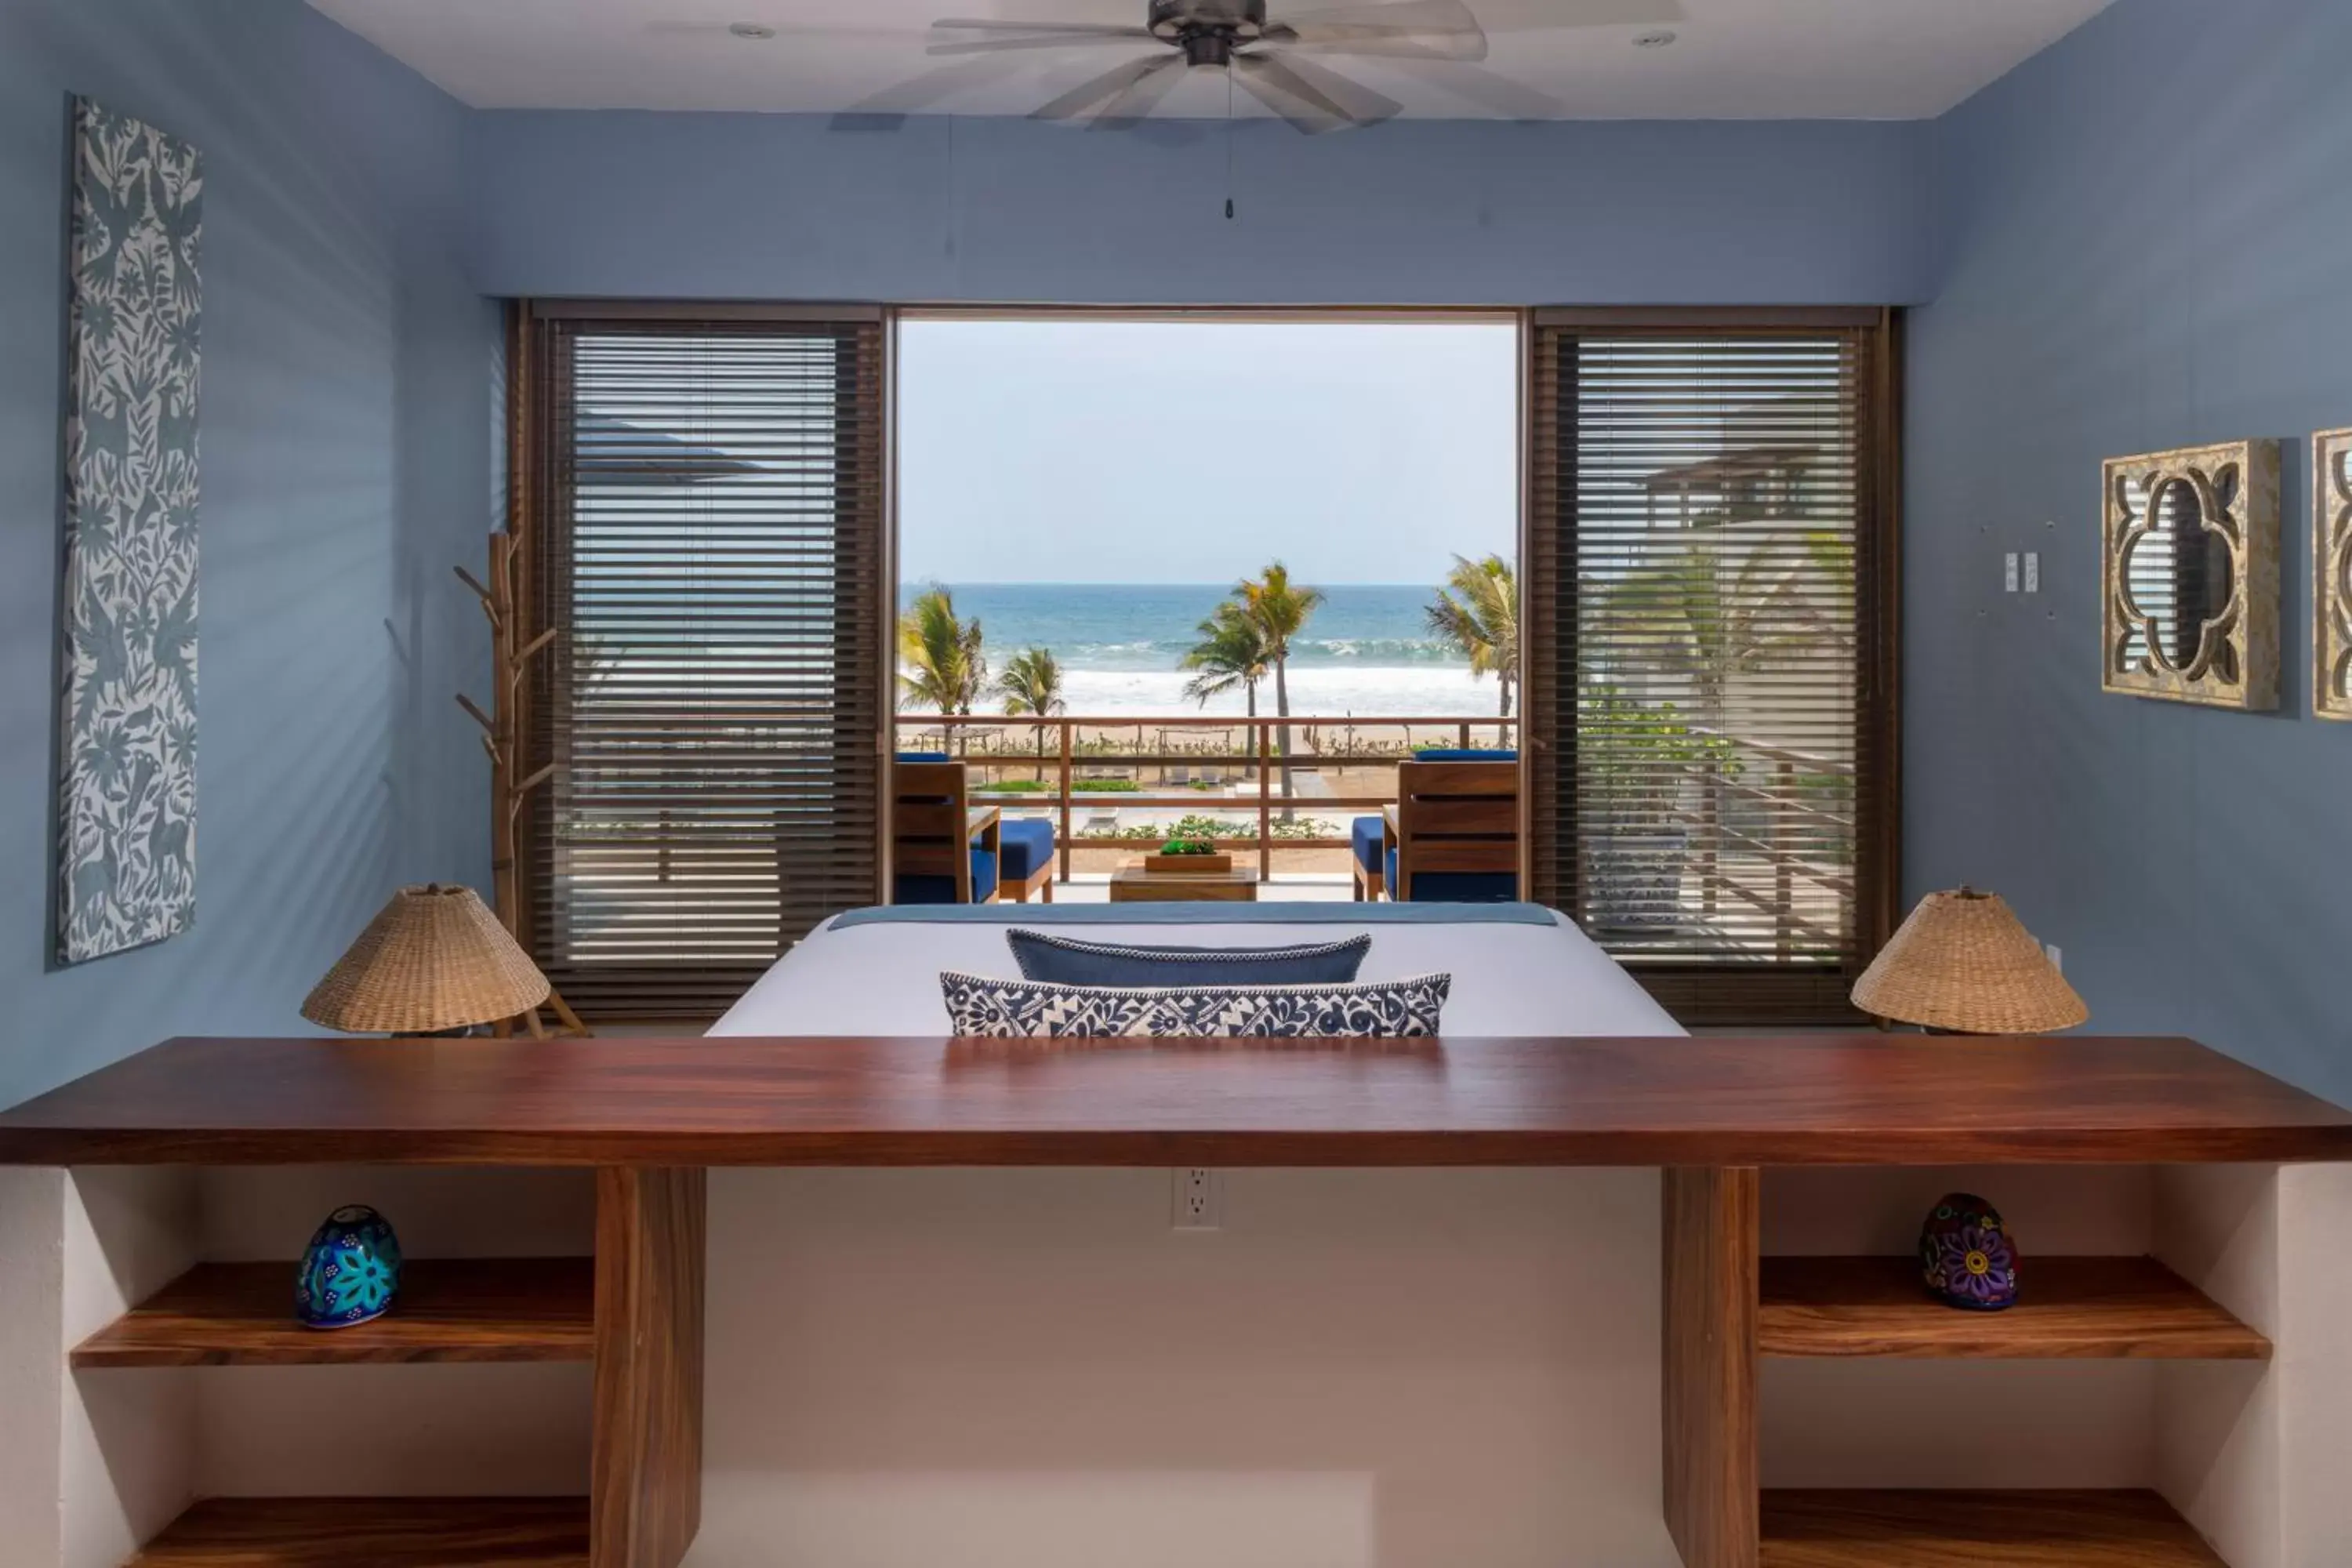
<point>1963,962</point>
<point>435,958</point>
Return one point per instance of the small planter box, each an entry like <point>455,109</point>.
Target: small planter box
<point>1178,865</point>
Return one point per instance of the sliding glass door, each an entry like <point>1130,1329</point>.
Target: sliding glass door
<point>1710,692</point>
<point>712,559</point>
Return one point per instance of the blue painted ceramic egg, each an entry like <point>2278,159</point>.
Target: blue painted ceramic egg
<point>1967,1257</point>
<point>351,1271</point>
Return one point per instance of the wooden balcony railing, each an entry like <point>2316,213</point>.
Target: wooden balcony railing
<point>1076,750</point>
<point>1767,836</point>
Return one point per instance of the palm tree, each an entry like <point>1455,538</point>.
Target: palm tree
<point>945,663</point>
<point>1031,683</point>
<point>1477,612</point>
<point>1232,652</point>
<point>1281,609</point>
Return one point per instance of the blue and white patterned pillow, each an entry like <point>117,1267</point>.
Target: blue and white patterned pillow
<point>1032,1009</point>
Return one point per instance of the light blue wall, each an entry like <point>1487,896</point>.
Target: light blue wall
<point>2147,245</point>
<point>1420,212</point>
<point>346,432</point>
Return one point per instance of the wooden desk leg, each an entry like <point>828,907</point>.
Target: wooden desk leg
<point>644,1495</point>
<point>1711,1296</point>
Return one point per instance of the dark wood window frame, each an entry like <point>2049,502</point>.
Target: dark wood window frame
<point>1719,993</point>
<point>1699,994</point>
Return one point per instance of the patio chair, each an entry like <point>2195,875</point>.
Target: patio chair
<point>936,856</point>
<point>1456,840</point>
<point>1368,835</point>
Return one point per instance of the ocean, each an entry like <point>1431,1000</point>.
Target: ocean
<point>1366,653</point>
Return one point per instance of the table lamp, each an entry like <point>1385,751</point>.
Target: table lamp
<point>434,959</point>
<point>1963,965</point>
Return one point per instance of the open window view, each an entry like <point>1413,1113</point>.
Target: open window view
<point>1188,591</point>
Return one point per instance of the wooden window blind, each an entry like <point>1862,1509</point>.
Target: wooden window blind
<point>1710,693</point>
<point>711,551</point>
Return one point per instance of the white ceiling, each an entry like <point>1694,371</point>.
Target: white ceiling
<point>1733,59</point>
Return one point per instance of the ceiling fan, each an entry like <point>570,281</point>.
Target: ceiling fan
<point>1266,57</point>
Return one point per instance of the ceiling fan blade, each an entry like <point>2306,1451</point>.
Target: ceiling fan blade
<point>1037,41</point>
<point>888,109</point>
<point>1507,98</point>
<point>1135,105</point>
<point>1289,94</point>
<point>994,25</point>
<point>1412,29</point>
<point>1095,93</point>
<point>1359,103</point>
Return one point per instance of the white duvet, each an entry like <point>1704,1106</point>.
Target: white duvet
<point>1507,979</point>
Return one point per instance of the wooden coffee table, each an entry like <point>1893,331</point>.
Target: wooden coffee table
<point>1134,885</point>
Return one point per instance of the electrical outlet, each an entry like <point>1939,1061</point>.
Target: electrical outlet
<point>2033,571</point>
<point>2009,573</point>
<point>2057,958</point>
<point>1199,1199</point>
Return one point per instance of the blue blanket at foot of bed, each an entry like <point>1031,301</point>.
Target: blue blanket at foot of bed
<point>1198,914</point>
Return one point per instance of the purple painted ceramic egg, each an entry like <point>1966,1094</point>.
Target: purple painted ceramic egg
<point>1967,1257</point>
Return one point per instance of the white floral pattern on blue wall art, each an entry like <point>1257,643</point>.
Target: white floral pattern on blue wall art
<point>127,805</point>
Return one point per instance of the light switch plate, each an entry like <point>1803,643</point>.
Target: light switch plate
<point>2009,573</point>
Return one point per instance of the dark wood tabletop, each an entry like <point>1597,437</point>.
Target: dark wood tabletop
<point>1814,1099</point>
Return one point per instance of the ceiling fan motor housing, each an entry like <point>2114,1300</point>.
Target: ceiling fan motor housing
<point>1207,30</point>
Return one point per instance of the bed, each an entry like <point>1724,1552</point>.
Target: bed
<point>1518,969</point>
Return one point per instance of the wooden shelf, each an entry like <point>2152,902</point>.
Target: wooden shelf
<point>388,1533</point>
<point>2070,1307</point>
<point>1978,1529</point>
<point>242,1314</point>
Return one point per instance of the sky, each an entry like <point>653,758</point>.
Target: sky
<point>1183,451</point>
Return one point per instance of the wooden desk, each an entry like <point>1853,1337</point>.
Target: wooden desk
<point>650,1114</point>
<point>1137,885</point>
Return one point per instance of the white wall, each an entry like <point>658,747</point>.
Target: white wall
<point>985,1368</point>
<point>127,1440</point>
<point>32,1364</point>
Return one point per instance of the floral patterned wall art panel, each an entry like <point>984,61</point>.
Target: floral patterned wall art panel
<point>127,805</point>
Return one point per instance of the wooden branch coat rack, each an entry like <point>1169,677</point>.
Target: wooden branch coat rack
<point>511,660</point>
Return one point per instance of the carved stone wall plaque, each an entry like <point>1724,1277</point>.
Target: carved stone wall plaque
<point>2189,576</point>
<point>2331,574</point>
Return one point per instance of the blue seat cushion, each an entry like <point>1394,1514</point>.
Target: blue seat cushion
<point>943,890</point>
<point>1027,846</point>
<point>1464,754</point>
<point>924,757</point>
<point>1457,887</point>
<point>1367,835</point>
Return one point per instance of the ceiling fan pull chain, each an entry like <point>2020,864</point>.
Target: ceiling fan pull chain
<point>1229,143</point>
